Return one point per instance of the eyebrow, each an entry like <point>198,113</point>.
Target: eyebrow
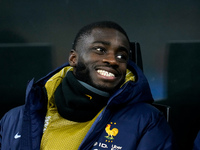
<point>121,48</point>
<point>124,49</point>
<point>102,42</point>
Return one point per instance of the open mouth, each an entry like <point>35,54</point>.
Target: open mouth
<point>105,73</point>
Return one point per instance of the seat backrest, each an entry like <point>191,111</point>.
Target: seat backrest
<point>136,56</point>
<point>164,109</point>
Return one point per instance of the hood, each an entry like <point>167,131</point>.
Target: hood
<point>132,91</point>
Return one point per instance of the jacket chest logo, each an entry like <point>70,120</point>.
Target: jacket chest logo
<point>111,132</point>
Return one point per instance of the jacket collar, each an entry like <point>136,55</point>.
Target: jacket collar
<point>138,91</point>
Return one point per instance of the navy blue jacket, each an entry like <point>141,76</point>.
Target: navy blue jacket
<point>140,125</point>
<point>197,142</point>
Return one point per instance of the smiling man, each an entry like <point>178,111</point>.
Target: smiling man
<point>102,56</point>
<point>99,100</point>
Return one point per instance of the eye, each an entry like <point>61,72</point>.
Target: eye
<point>122,57</point>
<point>100,49</point>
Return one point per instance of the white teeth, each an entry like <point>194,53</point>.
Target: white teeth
<point>105,73</point>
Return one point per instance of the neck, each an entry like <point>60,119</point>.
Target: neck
<point>95,90</point>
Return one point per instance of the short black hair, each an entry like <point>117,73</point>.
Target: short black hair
<point>86,30</point>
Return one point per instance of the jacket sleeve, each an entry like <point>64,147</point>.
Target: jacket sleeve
<point>1,130</point>
<point>10,124</point>
<point>157,136</point>
<point>2,124</point>
<point>0,133</point>
<point>197,142</point>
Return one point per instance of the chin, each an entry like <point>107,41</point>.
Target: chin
<point>106,88</point>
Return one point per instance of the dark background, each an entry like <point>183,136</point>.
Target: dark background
<point>167,30</point>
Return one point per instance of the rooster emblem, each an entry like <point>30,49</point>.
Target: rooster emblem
<point>110,132</point>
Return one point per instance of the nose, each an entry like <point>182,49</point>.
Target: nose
<point>110,59</point>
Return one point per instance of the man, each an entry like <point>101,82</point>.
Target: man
<point>100,100</point>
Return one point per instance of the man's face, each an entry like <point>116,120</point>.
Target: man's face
<point>101,59</point>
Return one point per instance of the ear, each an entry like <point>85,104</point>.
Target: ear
<point>73,58</point>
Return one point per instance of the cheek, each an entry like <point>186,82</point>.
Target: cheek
<point>91,59</point>
<point>123,68</point>
<point>87,58</point>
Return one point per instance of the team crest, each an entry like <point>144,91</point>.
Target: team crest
<point>111,132</point>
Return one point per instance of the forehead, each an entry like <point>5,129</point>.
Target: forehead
<point>112,36</point>
<point>108,34</point>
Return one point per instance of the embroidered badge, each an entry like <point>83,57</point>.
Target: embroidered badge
<point>88,96</point>
<point>17,135</point>
<point>111,132</point>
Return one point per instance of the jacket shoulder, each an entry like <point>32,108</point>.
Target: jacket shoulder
<point>144,109</point>
<point>12,116</point>
<point>142,121</point>
<point>10,125</point>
